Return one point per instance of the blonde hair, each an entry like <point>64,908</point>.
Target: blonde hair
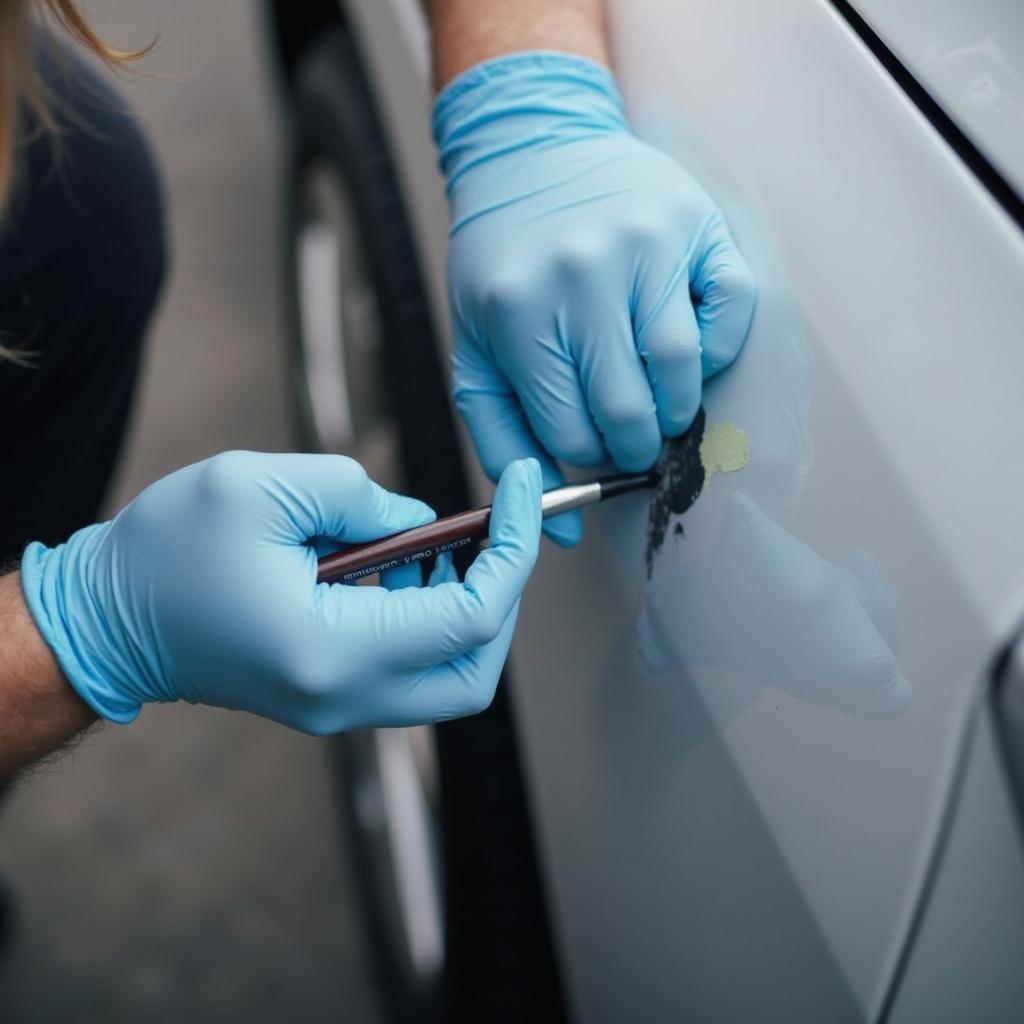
<point>20,83</point>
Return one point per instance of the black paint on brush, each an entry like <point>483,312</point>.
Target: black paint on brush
<point>682,479</point>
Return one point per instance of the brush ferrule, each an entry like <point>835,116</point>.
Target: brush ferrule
<point>563,499</point>
<point>613,486</point>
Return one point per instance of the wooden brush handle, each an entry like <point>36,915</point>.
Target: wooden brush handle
<point>413,545</point>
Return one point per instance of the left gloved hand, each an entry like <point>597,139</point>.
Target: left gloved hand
<point>204,589</point>
<point>574,251</point>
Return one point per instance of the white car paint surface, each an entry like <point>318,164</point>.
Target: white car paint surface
<point>740,768</point>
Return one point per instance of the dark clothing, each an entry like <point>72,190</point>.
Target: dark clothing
<point>81,263</point>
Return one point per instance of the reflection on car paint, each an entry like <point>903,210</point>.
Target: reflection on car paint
<point>729,594</point>
<point>980,72</point>
<point>767,607</point>
<point>738,593</point>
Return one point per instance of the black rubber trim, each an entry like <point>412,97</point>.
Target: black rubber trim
<point>979,164</point>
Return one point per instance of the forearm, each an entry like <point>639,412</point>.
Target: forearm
<point>465,32</point>
<point>39,711</point>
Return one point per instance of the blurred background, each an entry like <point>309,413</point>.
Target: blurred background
<point>188,867</point>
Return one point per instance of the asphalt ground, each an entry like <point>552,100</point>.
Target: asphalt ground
<point>187,867</point>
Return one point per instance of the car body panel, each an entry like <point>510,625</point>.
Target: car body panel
<point>965,965</point>
<point>740,767</point>
<point>970,58</point>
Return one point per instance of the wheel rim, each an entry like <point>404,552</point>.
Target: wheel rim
<point>340,345</point>
<point>392,773</point>
<point>396,811</point>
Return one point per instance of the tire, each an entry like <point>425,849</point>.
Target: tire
<point>496,960</point>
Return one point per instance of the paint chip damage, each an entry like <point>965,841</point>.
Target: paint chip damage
<point>687,463</point>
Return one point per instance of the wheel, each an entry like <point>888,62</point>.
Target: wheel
<point>437,817</point>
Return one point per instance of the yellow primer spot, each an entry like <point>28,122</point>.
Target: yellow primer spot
<point>724,448</point>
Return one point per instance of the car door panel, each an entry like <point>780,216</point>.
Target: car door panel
<point>858,219</point>
<point>740,766</point>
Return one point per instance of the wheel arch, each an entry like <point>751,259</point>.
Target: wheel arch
<point>292,28</point>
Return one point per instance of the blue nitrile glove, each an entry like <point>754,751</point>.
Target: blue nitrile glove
<point>574,251</point>
<point>204,589</point>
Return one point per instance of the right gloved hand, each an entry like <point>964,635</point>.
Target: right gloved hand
<point>204,589</point>
<point>594,284</point>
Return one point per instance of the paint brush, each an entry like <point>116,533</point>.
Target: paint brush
<point>463,528</point>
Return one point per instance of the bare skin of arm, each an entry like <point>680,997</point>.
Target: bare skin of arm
<point>465,32</point>
<point>39,711</point>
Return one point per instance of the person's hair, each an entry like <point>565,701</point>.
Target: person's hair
<point>20,84</point>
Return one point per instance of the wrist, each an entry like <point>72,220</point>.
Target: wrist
<point>468,32</point>
<point>55,583</point>
<point>523,96</point>
<point>38,662</point>
<point>38,709</point>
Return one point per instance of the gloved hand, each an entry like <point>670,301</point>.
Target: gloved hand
<point>574,251</point>
<point>204,589</point>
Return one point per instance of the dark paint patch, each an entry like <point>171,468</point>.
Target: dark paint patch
<point>682,479</point>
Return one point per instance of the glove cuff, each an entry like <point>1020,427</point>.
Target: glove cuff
<point>552,96</point>
<point>43,574</point>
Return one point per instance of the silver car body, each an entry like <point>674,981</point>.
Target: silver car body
<point>765,778</point>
